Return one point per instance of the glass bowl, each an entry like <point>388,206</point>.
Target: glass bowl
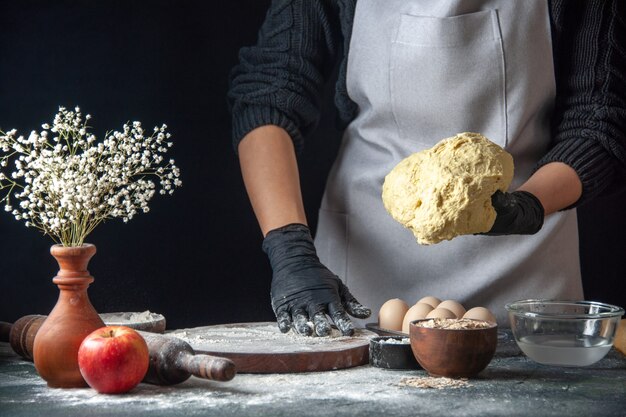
<point>564,333</point>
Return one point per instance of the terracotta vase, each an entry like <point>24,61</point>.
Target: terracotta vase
<point>55,350</point>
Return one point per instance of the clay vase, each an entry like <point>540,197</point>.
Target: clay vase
<point>55,349</point>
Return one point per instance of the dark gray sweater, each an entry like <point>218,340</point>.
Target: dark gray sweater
<point>279,80</point>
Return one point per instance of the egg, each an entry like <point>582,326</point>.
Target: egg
<point>391,314</point>
<point>454,306</point>
<point>440,313</point>
<point>433,301</point>
<point>417,312</point>
<point>480,313</point>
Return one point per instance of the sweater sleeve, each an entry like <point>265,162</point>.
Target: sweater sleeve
<point>589,124</point>
<point>279,81</point>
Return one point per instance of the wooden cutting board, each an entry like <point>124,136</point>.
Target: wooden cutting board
<point>262,348</point>
<point>620,337</point>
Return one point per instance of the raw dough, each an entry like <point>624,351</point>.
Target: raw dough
<point>445,191</point>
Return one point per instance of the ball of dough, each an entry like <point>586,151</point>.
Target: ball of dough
<point>445,191</point>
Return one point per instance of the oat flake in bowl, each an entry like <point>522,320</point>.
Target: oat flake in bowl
<point>454,324</point>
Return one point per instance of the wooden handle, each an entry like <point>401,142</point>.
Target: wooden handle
<point>5,330</point>
<point>207,366</point>
<point>22,334</point>
<point>172,361</point>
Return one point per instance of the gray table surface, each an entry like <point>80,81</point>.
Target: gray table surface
<point>511,385</point>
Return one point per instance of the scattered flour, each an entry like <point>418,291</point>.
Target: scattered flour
<point>356,384</point>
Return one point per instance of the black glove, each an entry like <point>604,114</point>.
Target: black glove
<point>303,288</point>
<point>518,213</point>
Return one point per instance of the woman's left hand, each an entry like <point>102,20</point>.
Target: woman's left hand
<point>518,213</point>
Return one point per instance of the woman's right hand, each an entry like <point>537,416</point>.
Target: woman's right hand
<point>303,289</point>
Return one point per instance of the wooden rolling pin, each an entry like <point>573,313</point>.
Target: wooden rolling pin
<point>172,360</point>
<point>21,334</point>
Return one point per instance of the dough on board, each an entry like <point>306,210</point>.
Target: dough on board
<point>445,191</point>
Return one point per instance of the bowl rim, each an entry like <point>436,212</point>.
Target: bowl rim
<point>612,310</point>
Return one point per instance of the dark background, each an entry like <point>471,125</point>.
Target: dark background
<point>196,257</point>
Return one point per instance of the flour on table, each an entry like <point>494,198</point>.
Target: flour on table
<point>120,319</point>
<point>255,336</point>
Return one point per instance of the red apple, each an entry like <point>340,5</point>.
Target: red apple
<point>113,359</point>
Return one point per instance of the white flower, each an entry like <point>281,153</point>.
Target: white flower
<point>70,177</point>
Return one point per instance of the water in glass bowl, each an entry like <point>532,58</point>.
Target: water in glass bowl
<point>565,350</point>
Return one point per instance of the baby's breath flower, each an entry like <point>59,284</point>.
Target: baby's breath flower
<point>66,184</point>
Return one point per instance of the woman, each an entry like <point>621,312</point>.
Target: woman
<point>539,78</point>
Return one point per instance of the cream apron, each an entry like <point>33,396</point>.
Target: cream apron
<point>421,71</point>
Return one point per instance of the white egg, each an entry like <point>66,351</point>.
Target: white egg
<point>417,312</point>
<point>433,301</point>
<point>454,306</point>
<point>480,313</point>
<point>391,314</point>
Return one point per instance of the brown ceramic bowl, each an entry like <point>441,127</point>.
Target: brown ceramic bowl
<point>453,353</point>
